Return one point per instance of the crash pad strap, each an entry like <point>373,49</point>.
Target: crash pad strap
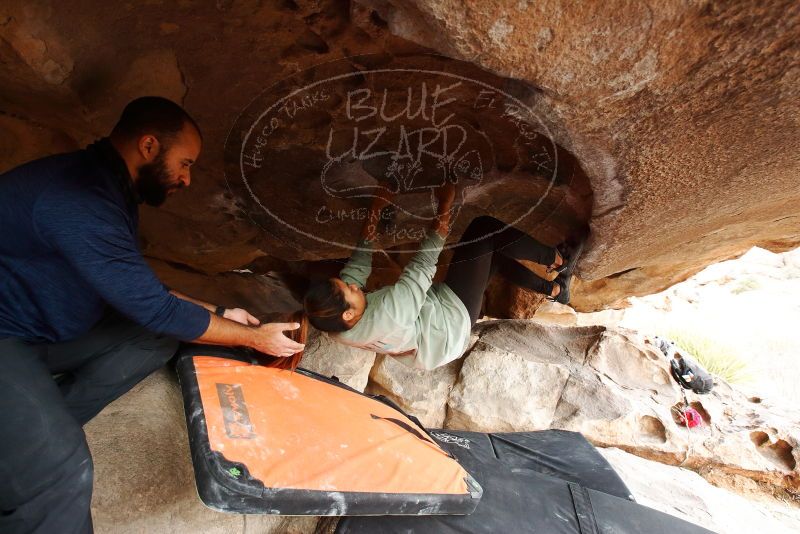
<point>583,509</point>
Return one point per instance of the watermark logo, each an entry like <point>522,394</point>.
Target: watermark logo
<point>444,437</point>
<point>234,411</point>
<point>307,154</point>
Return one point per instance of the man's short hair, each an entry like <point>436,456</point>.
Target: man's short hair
<point>153,115</point>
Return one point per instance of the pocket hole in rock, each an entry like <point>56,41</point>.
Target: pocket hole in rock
<point>652,429</point>
<point>779,452</point>
<point>697,405</point>
<point>677,410</point>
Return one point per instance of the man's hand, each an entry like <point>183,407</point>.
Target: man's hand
<point>269,339</point>
<point>241,316</point>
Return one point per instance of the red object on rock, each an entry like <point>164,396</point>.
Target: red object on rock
<point>691,418</point>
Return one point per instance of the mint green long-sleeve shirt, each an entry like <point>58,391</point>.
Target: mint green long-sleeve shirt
<point>425,325</point>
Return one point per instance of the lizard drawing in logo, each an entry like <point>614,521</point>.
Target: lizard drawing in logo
<point>410,161</point>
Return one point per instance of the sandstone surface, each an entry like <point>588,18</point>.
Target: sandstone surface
<point>606,383</point>
<point>683,493</point>
<point>674,126</point>
<point>615,388</point>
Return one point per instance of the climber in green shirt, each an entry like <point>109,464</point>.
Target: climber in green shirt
<point>426,324</point>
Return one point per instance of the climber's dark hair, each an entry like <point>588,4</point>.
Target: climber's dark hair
<point>324,305</point>
<point>153,115</point>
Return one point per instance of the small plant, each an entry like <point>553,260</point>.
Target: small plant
<point>748,284</point>
<point>718,359</point>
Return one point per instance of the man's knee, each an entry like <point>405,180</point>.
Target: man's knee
<point>78,476</point>
<point>64,505</point>
<point>137,353</point>
<point>163,347</point>
<point>148,352</point>
<point>58,476</point>
<point>134,337</point>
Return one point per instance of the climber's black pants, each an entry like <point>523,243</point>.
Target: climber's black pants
<point>45,465</point>
<point>489,246</point>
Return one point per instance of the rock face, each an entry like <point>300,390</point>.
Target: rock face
<point>677,115</point>
<point>421,393</point>
<point>522,393</point>
<point>518,376</point>
<point>685,494</point>
<point>326,357</point>
<point>670,131</point>
<point>616,390</point>
<point>265,296</point>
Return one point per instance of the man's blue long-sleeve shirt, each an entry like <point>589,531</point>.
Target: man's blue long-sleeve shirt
<point>68,248</point>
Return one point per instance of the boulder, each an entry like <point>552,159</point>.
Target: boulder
<point>685,494</point>
<point>613,387</point>
<point>505,300</point>
<point>326,357</point>
<point>420,393</point>
<point>263,295</point>
<point>556,313</point>
<point>499,391</point>
<point>646,97</point>
<point>667,130</point>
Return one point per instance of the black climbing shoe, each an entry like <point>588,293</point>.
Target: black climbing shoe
<point>569,254</point>
<point>563,250</point>
<point>563,295</point>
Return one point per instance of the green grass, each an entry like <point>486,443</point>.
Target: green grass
<point>748,284</point>
<point>715,357</point>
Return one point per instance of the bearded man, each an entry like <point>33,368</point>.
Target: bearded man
<point>78,301</point>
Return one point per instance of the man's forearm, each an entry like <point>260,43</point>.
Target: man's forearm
<point>239,328</point>
<point>210,307</point>
<point>222,331</point>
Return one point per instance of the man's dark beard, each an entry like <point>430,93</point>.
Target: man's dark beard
<point>153,183</point>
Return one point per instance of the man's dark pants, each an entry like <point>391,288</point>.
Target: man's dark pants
<point>45,465</point>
